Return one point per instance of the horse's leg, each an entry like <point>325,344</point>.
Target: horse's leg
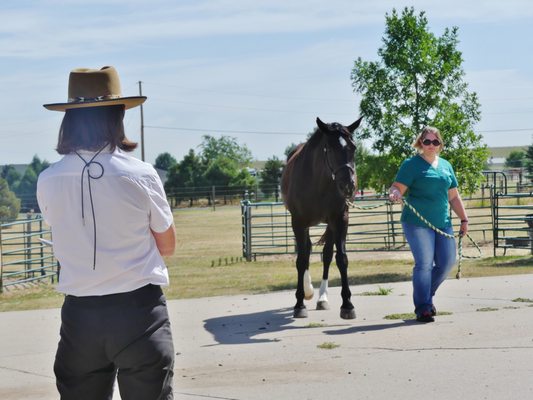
<point>303,244</point>
<point>347,308</point>
<point>327,256</point>
<point>309,291</point>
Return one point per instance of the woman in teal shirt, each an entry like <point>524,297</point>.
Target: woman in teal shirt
<point>430,186</point>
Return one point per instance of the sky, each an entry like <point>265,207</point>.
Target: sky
<point>257,71</point>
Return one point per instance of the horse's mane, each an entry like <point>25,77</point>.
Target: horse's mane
<point>313,140</point>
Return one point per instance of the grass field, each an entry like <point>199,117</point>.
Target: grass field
<point>504,152</point>
<point>208,262</point>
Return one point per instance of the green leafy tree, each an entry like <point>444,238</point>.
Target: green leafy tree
<point>225,146</point>
<point>289,149</point>
<point>221,171</point>
<point>515,159</point>
<point>365,164</point>
<point>25,187</point>
<point>187,173</point>
<point>418,82</point>
<point>165,161</point>
<point>10,174</point>
<point>225,161</point>
<point>221,162</point>
<point>270,176</point>
<point>37,165</point>
<point>243,179</point>
<point>9,203</point>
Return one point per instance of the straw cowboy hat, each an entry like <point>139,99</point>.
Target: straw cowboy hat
<point>95,88</point>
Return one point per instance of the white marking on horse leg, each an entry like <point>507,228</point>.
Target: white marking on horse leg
<point>323,293</point>
<point>308,286</point>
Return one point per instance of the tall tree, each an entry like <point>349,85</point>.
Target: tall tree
<point>9,203</point>
<point>187,173</point>
<point>270,176</point>
<point>418,82</point>
<point>225,161</point>
<point>515,159</point>
<point>225,146</point>
<point>529,162</point>
<point>10,174</point>
<point>165,161</point>
<point>365,164</point>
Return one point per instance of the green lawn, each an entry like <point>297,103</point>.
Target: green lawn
<point>208,263</point>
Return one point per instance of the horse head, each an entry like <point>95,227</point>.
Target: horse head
<point>339,155</point>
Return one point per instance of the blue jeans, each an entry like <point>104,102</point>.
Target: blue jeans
<point>434,256</point>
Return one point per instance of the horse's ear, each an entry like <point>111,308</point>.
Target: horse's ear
<point>355,125</point>
<point>321,125</point>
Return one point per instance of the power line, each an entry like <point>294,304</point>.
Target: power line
<point>224,130</point>
<point>506,130</point>
<point>195,90</point>
<point>225,106</point>
<point>11,134</point>
<point>299,133</point>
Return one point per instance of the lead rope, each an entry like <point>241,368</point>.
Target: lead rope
<point>429,224</point>
<point>460,241</point>
<point>87,167</point>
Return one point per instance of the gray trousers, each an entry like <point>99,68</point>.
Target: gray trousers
<point>125,335</point>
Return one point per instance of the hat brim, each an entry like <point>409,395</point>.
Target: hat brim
<point>127,102</point>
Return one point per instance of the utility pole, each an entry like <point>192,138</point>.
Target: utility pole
<point>142,123</point>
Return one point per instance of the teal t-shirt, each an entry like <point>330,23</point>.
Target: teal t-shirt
<point>427,190</point>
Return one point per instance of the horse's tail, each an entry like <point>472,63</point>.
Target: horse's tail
<point>322,239</point>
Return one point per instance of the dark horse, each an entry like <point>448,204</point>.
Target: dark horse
<point>316,183</point>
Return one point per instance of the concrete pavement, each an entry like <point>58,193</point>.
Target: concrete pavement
<point>250,347</point>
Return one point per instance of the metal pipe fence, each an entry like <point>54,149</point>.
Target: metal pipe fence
<point>211,196</point>
<point>374,225</point>
<point>24,255</point>
<point>512,221</point>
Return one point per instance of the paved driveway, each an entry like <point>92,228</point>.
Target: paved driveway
<point>250,347</point>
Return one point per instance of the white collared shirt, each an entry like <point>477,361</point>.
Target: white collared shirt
<point>128,201</point>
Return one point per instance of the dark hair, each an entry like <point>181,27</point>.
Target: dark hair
<point>91,128</point>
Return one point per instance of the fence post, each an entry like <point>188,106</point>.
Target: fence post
<point>246,212</point>
<point>529,222</point>
<point>390,213</point>
<point>27,245</point>
<point>1,263</point>
<point>494,210</point>
<point>213,197</point>
<point>42,247</point>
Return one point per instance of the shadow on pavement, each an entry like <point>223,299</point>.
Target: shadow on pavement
<point>243,328</point>
<point>246,328</point>
<point>370,328</point>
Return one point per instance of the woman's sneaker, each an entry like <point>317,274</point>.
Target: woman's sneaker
<point>425,317</point>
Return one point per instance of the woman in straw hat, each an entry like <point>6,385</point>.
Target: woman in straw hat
<point>111,225</point>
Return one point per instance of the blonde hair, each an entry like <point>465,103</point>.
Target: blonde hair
<point>417,144</point>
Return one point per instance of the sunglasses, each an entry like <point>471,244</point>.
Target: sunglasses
<point>434,142</point>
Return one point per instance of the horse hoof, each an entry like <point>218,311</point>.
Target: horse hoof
<point>300,312</point>
<point>347,314</point>
<point>322,305</point>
